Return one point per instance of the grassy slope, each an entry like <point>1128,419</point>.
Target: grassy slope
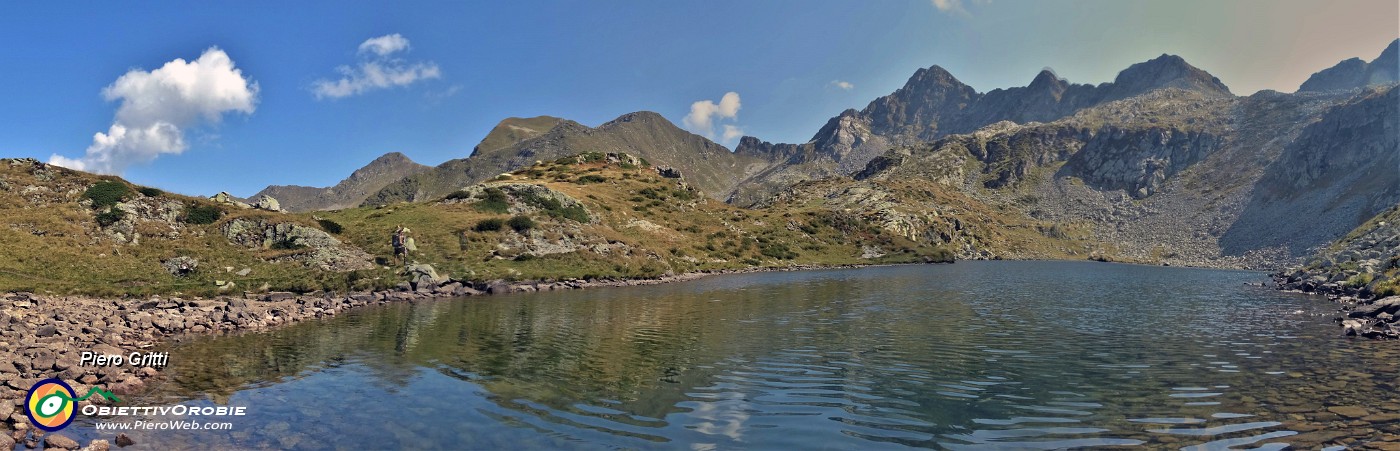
<point>693,231</point>
<point>53,243</point>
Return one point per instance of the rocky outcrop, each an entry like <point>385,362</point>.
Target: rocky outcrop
<point>181,266</point>
<point>228,199</point>
<point>1139,161</point>
<point>1355,73</point>
<point>524,198</point>
<point>266,202</point>
<point>319,249</point>
<point>149,217</point>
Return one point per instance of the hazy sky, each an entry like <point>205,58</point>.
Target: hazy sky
<point>199,99</point>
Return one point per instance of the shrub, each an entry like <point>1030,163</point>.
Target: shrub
<point>330,226</point>
<point>287,244</point>
<point>779,251</point>
<point>521,223</point>
<point>524,257</point>
<point>493,200</point>
<point>489,225</point>
<point>591,178</point>
<point>107,193</point>
<point>109,217</point>
<point>458,195</point>
<point>202,214</point>
<point>150,192</point>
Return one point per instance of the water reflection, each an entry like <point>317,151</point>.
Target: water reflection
<point>1031,355</point>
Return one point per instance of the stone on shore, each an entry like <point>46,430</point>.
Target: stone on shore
<point>1349,412</point>
<point>97,445</point>
<point>124,441</point>
<point>60,442</point>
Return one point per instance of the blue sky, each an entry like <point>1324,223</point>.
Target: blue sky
<point>791,64</point>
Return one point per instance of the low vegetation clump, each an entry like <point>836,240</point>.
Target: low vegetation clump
<point>493,200</point>
<point>489,225</point>
<point>521,223</point>
<point>779,251</point>
<point>287,244</point>
<point>554,208</point>
<point>330,226</point>
<point>150,192</point>
<point>106,193</point>
<point>591,178</point>
<point>202,214</point>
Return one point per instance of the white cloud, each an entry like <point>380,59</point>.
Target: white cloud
<point>157,106</point>
<point>948,5</point>
<point>731,133</point>
<point>384,45</point>
<point>377,70</point>
<point>844,85</point>
<point>956,6</point>
<point>704,113</point>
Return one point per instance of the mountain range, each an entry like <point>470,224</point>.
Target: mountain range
<point>1163,164</point>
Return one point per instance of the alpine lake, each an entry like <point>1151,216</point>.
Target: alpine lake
<point>973,355</point>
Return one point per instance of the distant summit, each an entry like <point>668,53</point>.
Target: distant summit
<point>349,192</point>
<point>517,143</point>
<point>1354,73</point>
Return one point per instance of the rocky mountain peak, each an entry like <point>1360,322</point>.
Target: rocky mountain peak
<point>1354,73</point>
<point>642,117</point>
<point>917,108</point>
<point>513,130</point>
<point>1166,71</point>
<point>1045,79</point>
<point>390,158</point>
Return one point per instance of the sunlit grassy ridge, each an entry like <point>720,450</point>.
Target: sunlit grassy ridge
<point>574,218</point>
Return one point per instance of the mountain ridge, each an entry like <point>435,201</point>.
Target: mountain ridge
<point>709,166</point>
<point>1354,73</point>
<point>933,103</point>
<point>348,192</point>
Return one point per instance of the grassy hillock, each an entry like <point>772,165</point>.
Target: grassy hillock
<point>69,232</point>
<point>625,221</point>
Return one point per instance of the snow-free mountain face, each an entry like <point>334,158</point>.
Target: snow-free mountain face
<point>1355,73</point>
<point>349,192</point>
<point>934,104</point>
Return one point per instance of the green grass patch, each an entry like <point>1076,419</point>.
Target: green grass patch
<point>489,225</point>
<point>521,223</point>
<point>493,200</point>
<point>106,193</point>
<point>202,214</point>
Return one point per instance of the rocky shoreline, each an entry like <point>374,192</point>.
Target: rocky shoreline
<point>1362,273</point>
<point>43,336</point>
<point>1362,313</point>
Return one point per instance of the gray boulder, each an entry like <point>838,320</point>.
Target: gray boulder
<point>266,202</point>
<point>181,266</point>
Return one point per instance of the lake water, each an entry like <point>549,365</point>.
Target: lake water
<point>974,355</point>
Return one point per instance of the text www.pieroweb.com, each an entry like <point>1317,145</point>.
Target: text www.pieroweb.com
<point>175,425</point>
